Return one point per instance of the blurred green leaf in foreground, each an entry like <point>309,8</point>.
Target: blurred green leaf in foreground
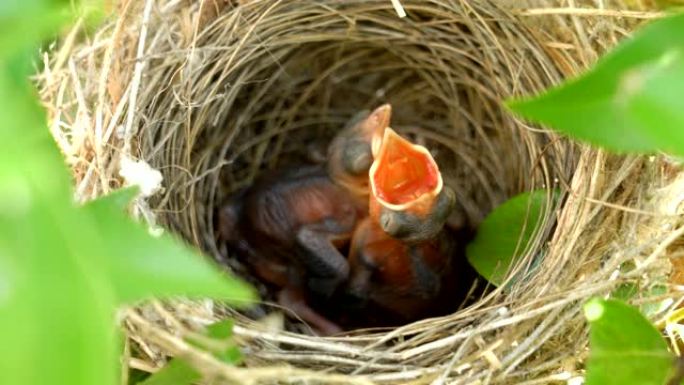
<point>625,348</point>
<point>64,269</point>
<point>630,101</point>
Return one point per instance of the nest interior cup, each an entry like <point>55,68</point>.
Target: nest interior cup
<point>223,90</point>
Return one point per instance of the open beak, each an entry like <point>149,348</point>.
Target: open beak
<point>374,125</point>
<point>350,154</point>
<point>403,177</point>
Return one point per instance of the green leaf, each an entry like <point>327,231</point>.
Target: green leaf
<point>94,12</point>
<point>145,266</point>
<point>232,355</point>
<point>657,105</point>
<point>26,23</point>
<point>649,307</point>
<point>142,266</point>
<point>220,330</point>
<point>630,101</point>
<point>57,306</point>
<point>504,235</point>
<point>120,198</point>
<point>222,347</point>
<point>625,291</point>
<point>625,348</point>
<point>176,372</point>
<point>223,330</point>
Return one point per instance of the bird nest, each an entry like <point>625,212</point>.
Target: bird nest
<point>212,93</point>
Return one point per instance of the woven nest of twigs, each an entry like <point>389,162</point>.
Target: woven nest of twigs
<point>213,93</point>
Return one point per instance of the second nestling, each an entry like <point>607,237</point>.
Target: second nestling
<point>367,229</point>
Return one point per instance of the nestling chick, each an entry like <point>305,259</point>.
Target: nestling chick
<point>408,197</point>
<point>287,226</point>
<point>411,281</point>
<point>350,154</point>
<point>410,201</point>
<point>401,256</point>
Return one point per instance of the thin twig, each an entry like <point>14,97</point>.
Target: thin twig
<point>399,8</point>
<point>140,62</point>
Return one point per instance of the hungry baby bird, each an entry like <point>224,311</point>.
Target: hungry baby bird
<point>408,197</point>
<point>287,227</point>
<point>401,255</point>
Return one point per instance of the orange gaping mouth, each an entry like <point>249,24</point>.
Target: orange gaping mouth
<point>403,172</point>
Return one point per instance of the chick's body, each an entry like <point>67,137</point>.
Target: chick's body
<point>410,280</point>
<point>277,208</point>
<point>287,226</point>
<point>400,257</point>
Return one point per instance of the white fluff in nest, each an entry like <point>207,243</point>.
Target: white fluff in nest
<point>140,173</point>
